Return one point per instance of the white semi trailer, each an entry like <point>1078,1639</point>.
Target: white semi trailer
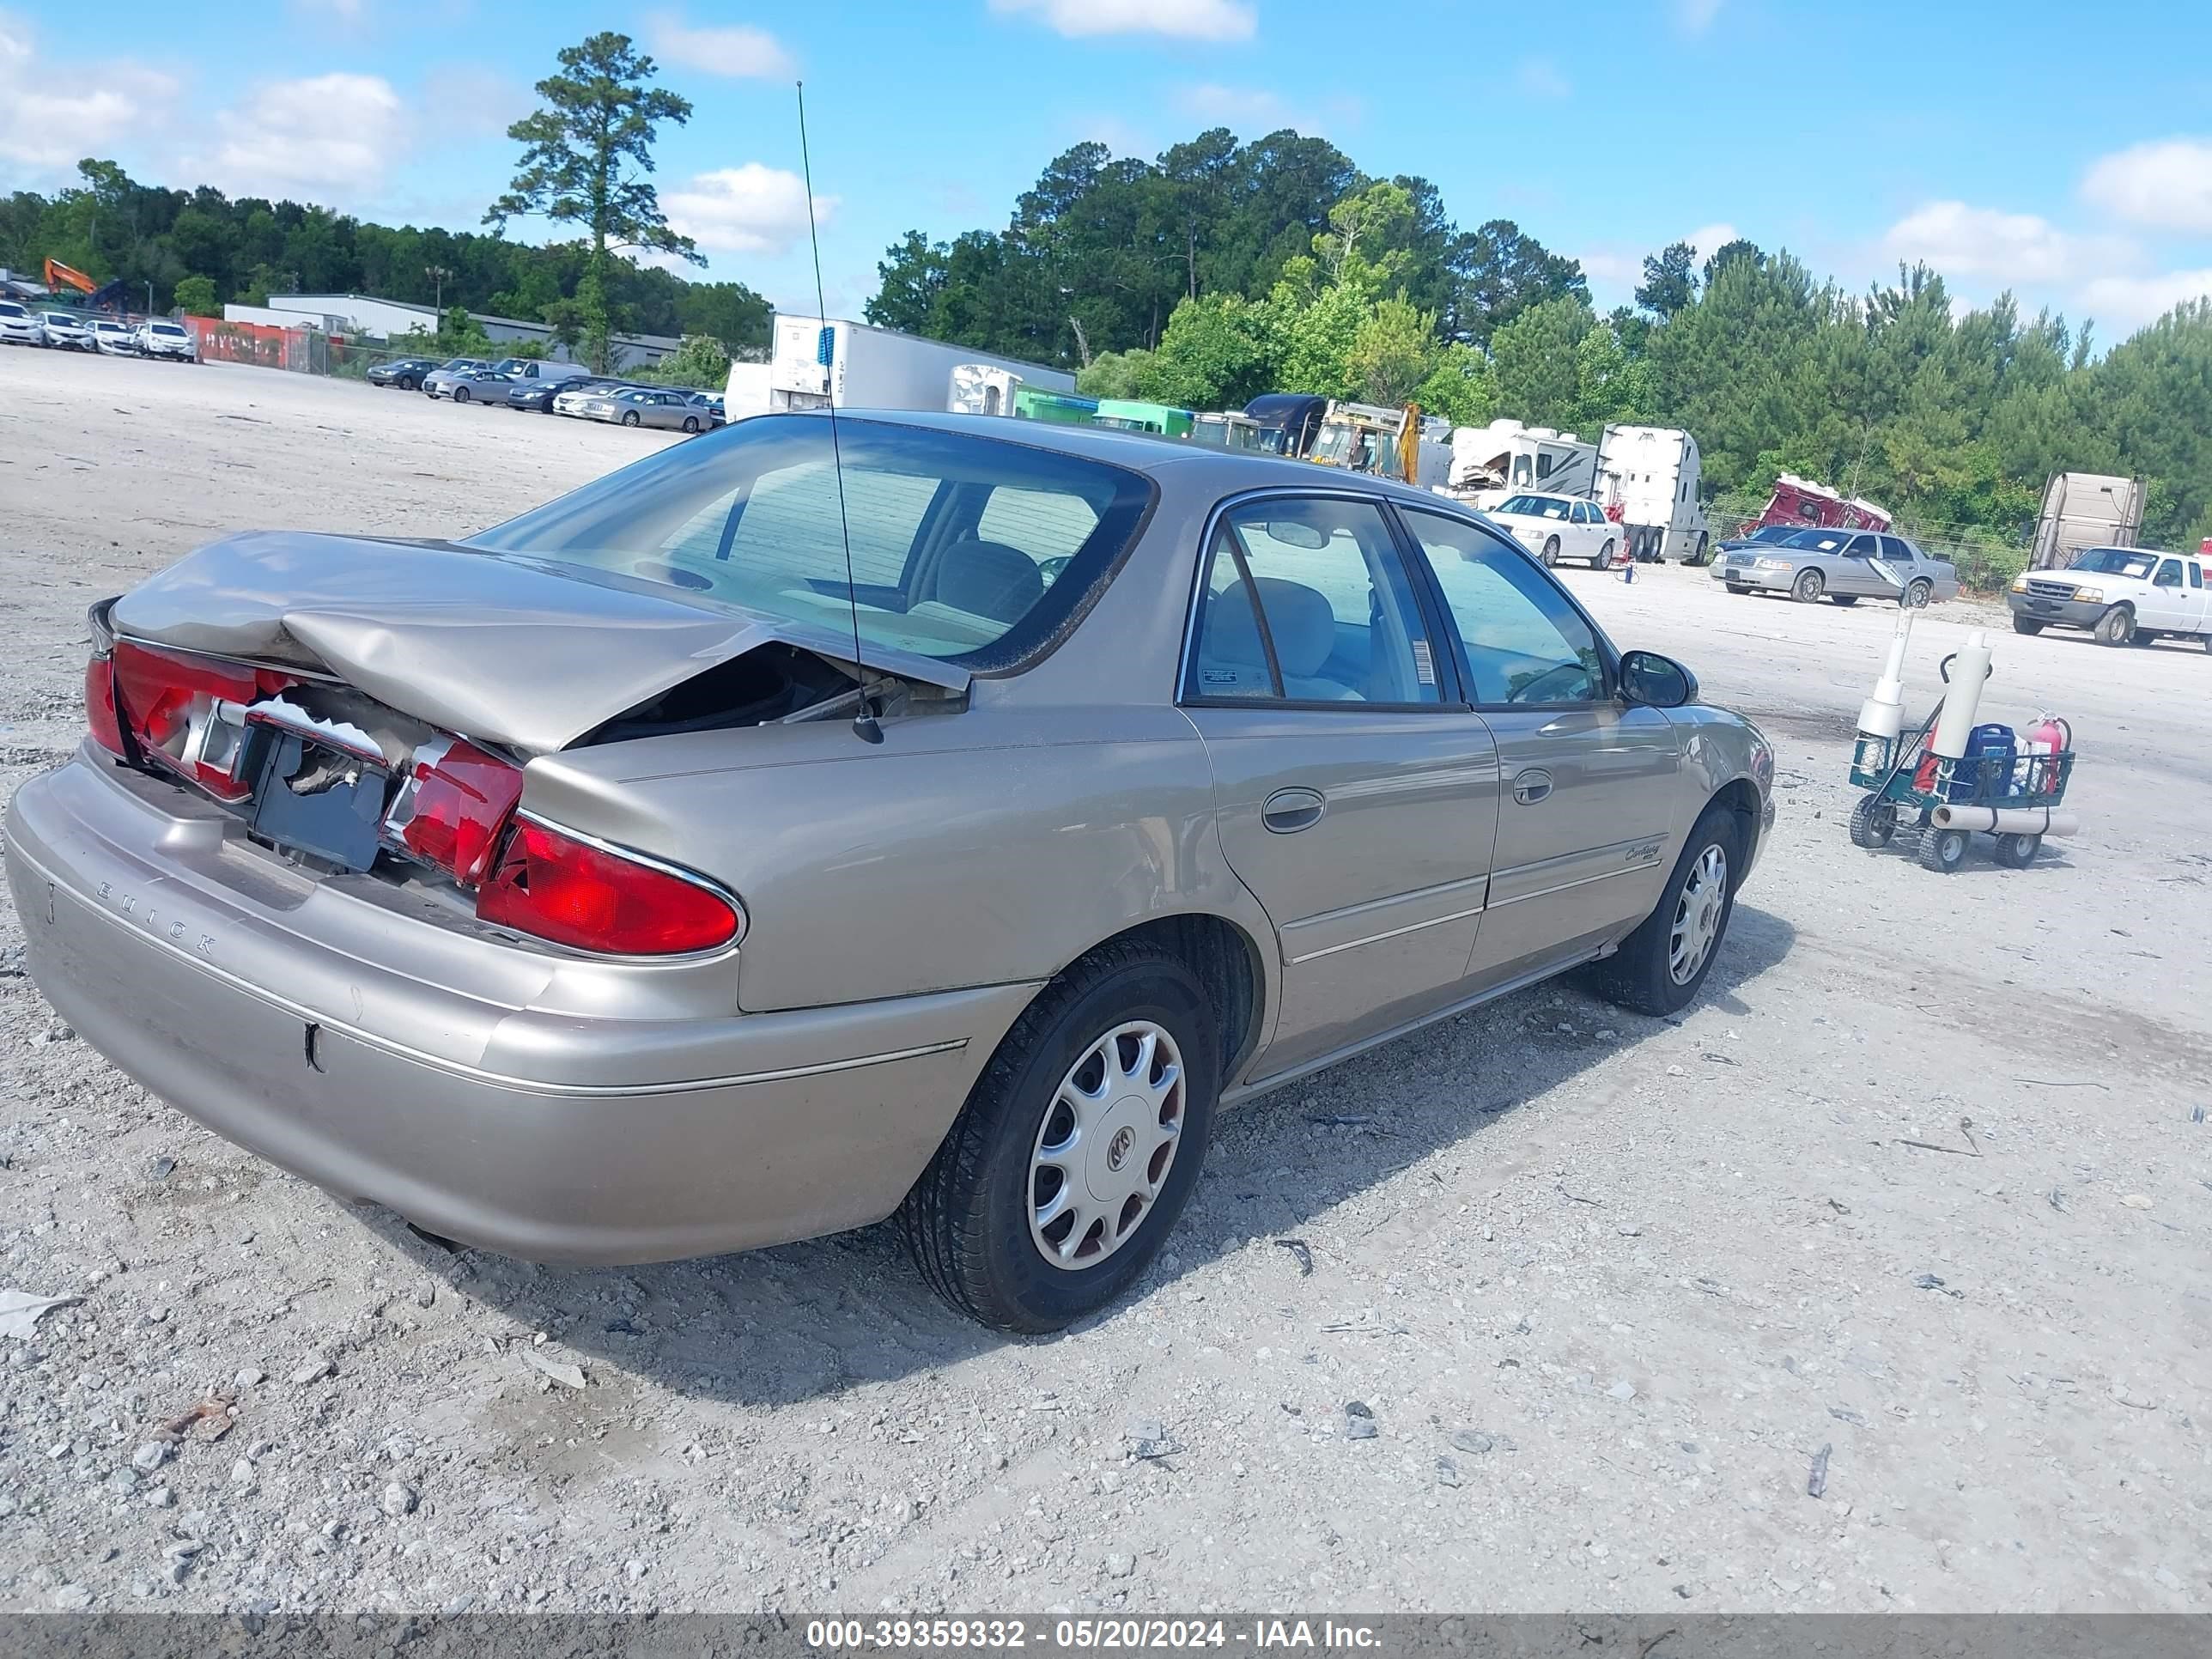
<point>1651,473</point>
<point>872,368</point>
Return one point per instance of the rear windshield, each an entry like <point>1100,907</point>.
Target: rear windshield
<point>970,550</point>
<point>2115,561</point>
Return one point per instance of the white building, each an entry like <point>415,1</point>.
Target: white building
<point>393,319</point>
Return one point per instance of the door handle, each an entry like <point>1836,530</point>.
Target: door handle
<point>1532,785</point>
<point>1289,811</point>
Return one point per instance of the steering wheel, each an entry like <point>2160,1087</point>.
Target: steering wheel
<point>1566,675</point>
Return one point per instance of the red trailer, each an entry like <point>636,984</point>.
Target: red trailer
<point>1799,502</point>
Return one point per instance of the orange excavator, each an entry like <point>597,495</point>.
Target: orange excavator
<point>59,274</point>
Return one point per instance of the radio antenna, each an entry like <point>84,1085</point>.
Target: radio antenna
<point>825,353</point>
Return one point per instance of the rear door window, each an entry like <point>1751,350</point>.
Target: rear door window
<point>1307,601</point>
<point>1896,548</point>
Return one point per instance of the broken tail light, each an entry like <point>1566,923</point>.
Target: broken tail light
<point>181,710</point>
<point>555,886</point>
<point>99,716</point>
<point>452,806</point>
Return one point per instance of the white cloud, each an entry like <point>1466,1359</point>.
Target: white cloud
<point>51,113</point>
<point>324,135</point>
<point>1710,239</point>
<point>480,100</point>
<point>744,210</point>
<point>1696,16</point>
<point>1959,240</point>
<point>2167,185</point>
<point>1181,20</point>
<point>1539,77</point>
<point>2122,304</point>
<point>732,48</point>
<point>1251,108</point>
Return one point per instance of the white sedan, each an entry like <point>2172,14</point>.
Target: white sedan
<point>1555,527</point>
<point>115,339</point>
<point>158,337</point>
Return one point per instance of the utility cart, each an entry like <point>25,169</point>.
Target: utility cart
<point>1998,787</point>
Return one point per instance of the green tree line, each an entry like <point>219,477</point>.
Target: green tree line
<point>1222,270</point>
<point>200,248</point>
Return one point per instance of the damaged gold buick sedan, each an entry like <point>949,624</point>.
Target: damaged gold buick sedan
<point>776,836</point>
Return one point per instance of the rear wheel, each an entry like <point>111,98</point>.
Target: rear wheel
<point>1918,593</point>
<point>2027,625</point>
<point>2115,627</point>
<point>1605,558</point>
<point>1943,850</point>
<point>1808,586</point>
<point>2018,851</point>
<point>691,422</point>
<point>1703,554</point>
<point>1659,968</point>
<point>1873,821</point>
<point>1077,1148</point>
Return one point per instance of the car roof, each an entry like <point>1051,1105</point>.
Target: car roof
<point>1150,452</point>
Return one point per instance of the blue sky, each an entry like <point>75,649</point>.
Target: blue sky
<point>2027,145</point>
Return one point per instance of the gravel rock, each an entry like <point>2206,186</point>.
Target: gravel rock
<point>398,1499</point>
<point>150,1457</point>
<point>1120,1566</point>
<point>313,1371</point>
<point>1358,1420</point>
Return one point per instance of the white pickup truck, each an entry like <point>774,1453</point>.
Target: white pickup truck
<point>2122,595</point>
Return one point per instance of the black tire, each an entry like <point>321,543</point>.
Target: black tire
<point>1703,555</point>
<point>1844,598</point>
<point>1873,821</point>
<point>2027,625</point>
<point>691,422</point>
<point>2146,637</point>
<point>2018,852</point>
<point>1809,587</point>
<point>967,1220</point>
<point>411,384</point>
<point>1551,554</point>
<point>1639,975</point>
<point>1918,593</point>
<point>2115,627</point>
<point>1943,850</point>
<point>1739,588</point>
<point>630,417</point>
<point>1604,557</point>
<point>460,394</point>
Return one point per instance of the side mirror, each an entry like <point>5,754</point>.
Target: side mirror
<point>1652,681</point>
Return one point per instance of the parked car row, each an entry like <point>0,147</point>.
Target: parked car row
<point>72,330</point>
<point>538,386</point>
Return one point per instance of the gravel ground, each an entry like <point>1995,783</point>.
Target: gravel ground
<point>1549,1308</point>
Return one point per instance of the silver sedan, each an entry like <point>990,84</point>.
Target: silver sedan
<point>770,837</point>
<point>1843,565</point>
<point>673,412</point>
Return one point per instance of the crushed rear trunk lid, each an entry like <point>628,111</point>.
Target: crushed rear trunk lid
<point>504,649</point>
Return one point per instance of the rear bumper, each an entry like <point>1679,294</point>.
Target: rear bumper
<point>451,1087</point>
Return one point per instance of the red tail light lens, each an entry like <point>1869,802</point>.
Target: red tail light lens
<point>169,701</point>
<point>555,887</point>
<point>455,807</point>
<point>99,704</point>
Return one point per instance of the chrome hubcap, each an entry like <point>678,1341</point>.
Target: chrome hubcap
<point>1698,916</point>
<point>1106,1144</point>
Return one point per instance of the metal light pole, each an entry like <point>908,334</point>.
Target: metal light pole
<point>437,274</point>
<point>149,299</point>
